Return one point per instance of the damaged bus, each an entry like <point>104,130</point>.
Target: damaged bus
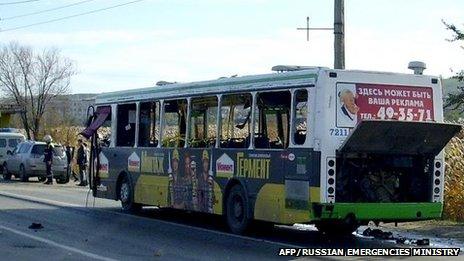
<point>334,148</point>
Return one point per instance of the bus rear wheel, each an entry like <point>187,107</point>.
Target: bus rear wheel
<point>237,214</point>
<point>126,195</point>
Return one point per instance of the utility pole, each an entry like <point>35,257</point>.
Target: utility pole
<point>339,34</point>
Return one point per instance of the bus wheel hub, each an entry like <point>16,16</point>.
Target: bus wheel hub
<point>124,192</point>
<point>238,209</point>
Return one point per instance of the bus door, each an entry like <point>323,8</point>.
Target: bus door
<point>300,161</point>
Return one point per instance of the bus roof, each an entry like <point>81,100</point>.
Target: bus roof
<point>222,85</point>
<point>305,77</point>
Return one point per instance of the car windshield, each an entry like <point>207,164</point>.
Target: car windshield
<point>13,142</point>
<point>39,149</point>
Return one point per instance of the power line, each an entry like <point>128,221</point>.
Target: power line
<point>18,2</point>
<point>70,16</point>
<point>45,11</point>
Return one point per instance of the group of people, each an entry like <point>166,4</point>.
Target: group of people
<point>82,159</point>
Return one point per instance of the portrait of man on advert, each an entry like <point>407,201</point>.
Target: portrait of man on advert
<point>347,109</point>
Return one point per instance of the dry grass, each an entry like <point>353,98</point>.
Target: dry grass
<point>454,179</point>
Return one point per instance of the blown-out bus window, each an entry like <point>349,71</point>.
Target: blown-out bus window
<point>203,126</point>
<point>174,123</point>
<point>235,120</point>
<point>104,132</point>
<point>271,120</point>
<point>300,116</point>
<point>149,124</point>
<point>126,125</point>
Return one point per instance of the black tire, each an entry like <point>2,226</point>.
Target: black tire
<point>42,179</point>
<point>126,195</point>
<point>237,214</point>
<point>63,179</point>
<point>22,174</point>
<point>336,228</point>
<point>6,173</point>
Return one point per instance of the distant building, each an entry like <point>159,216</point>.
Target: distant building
<point>72,107</point>
<point>6,110</point>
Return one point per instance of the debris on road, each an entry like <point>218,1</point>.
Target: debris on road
<point>379,234</point>
<point>36,226</point>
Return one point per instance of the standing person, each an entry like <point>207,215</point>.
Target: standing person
<point>69,157</point>
<point>48,159</point>
<point>82,162</point>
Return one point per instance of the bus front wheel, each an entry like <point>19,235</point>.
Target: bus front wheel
<point>237,214</point>
<point>126,195</point>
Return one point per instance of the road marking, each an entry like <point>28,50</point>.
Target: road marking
<point>37,200</point>
<point>80,207</point>
<point>55,244</point>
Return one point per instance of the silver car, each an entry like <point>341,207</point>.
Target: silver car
<point>27,160</point>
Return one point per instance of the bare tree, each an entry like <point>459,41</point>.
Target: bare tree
<point>32,80</point>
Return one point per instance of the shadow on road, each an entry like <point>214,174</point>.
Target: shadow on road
<point>276,233</point>
<point>192,220</point>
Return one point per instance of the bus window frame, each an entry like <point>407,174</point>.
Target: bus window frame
<point>218,121</point>
<point>250,124</point>
<point>309,127</point>
<point>254,98</point>
<point>157,117</point>
<point>161,121</point>
<point>137,124</point>
<point>116,124</point>
<point>162,112</point>
<point>188,98</point>
<point>189,121</point>
<point>289,116</point>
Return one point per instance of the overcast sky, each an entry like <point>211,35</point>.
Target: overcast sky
<point>188,40</point>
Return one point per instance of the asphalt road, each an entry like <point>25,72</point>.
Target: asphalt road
<point>77,227</point>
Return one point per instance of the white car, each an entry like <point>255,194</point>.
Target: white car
<point>27,160</point>
<point>8,142</point>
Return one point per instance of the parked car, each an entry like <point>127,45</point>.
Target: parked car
<point>9,130</point>
<point>26,161</point>
<point>8,141</point>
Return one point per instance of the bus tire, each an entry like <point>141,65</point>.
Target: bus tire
<point>22,174</point>
<point>126,195</point>
<point>336,228</point>
<point>237,214</point>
